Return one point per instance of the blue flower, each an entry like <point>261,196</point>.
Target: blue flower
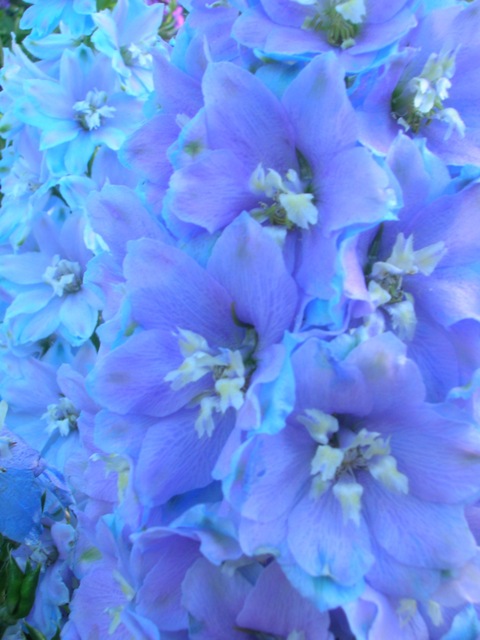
<point>47,286</point>
<point>430,89</point>
<point>127,34</point>
<point>82,110</point>
<point>361,33</point>
<point>355,467</point>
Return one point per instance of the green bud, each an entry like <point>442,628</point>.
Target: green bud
<point>27,590</point>
<point>32,634</point>
<point>14,584</point>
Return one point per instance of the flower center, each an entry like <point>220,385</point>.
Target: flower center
<point>340,20</point>
<point>135,55</point>
<point>339,454</point>
<point>61,417</point>
<point>228,369</point>
<point>64,276</point>
<point>385,281</point>
<point>290,206</point>
<point>93,110</point>
<point>420,100</point>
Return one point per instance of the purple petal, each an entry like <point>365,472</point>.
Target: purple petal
<point>211,191</point>
<point>150,160</point>
<point>441,460</point>
<point>245,117</point>
<point>324,544</point>
<point>176,458</point>
<point>169,290</point>
<point>117,214</point>
<point>275,607</point>
<point>446,545</point>
<point>317,102</point>
<point>269,474</point>
<point>249,264</point>
<point>130,379</point>
<point>357,193</point>
<point>213,598</point>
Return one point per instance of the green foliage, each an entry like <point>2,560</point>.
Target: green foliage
<point>17,589</point>
<point>105,4</point>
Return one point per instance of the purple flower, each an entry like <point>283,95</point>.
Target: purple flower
<point>421,276</point>
<point>48,288</point>
<point>83,109</point>
<point>204,337</point>
<point>359,31</point>
<point>430,88</point>
<point>355,467</point>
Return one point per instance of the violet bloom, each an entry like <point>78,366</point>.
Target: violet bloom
<point>134,588</point>
<point>26,187</point>
<point>48,288</point>
<point>126,34</point>
<point>359,31</point>
<point>431,88</point>
<point>356,467</point>
<point>305,181</point>
<point>43,401</point>
<point>422,271</point>
<point>83,109</point>
<point>202,339</point>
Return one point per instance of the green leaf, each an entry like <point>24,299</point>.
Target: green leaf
<point>33,634</point>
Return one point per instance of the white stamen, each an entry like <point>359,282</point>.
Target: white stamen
<point>61,417</point>
<point>224,365</point>
<point>64,276</point>
<point>93,109</point>
<point>352,10</point>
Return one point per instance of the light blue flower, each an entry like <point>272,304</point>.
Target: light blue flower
<point>83,109</point>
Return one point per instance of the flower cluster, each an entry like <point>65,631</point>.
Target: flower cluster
<point>240,348</point>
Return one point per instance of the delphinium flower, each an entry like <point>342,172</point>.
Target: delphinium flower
<point>355,467</point>
<point>46,416</point>
<point>421,271</point>
<point>127,35</point>
<point>451,612</point>
<point>203,365</point>
<point>134,585</point>
<point>245,606</point>
<point>275,160</point>
<point>359,31</point>
<point>47,286</point>
<point>81,110</point>
<point>254,349</point>
<point>206,37</point>
<point>428,89</point>
<point>26,186</point>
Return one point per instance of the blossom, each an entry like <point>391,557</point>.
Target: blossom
<point>80,111</point>
<point>355,466</point>
<point>356,30</point>
<point>49,293</point>
<point>428,88</point>
<point>420,276</point>
<point>126,35</point>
